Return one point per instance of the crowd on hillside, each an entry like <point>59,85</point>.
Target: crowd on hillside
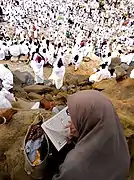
<point>61,33</point>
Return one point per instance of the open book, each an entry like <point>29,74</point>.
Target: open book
<point>56,130</point>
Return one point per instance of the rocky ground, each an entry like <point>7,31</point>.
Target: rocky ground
<point>12,135</point>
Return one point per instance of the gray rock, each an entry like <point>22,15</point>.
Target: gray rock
<point>34,96</point>
<point>38,89</point>
<point>115,62</point>
<point>124,66</point>
<point>120,73</point>
<point>23,78</point>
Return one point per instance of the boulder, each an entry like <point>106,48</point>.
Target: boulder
<point>23,78</point>
<point>21,94</point>
<point>120,73</point>
<point>70,79</point>
<point>122,97</point>
<point>22,104</point>
<point>61,98</point>
<point>39,89</point>
<point>127,89</point>
<point>124,66</point>
<point>104,84</point>
<point>115,62</point>
<point>34,96</point>
<point>75,80</point>
<point>83,80</point>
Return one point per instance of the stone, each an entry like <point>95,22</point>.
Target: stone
<point>104,84</point>
<point>120,73</point>
<point>75,80</point>
<point>115,62</point>
<point>83,80</point>
<point>22,104</point>
<point>124,66</point>
<point>39,89</point>
<point>34,96</point>
<point>21,94</point>
<point>23,78</point>
<point>61,98</point>
<point>70,79</point>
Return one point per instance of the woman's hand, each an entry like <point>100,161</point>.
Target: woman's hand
<point>73,132</point>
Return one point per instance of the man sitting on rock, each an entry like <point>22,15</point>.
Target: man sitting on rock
<point>101,74</point>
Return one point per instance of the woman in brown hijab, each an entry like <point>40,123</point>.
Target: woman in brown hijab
<point>101,152</point>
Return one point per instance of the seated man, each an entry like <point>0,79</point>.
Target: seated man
<point>15,52</point>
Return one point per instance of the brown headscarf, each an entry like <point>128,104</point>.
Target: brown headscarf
<point>101,152</point>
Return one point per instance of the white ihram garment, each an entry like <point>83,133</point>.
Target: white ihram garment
<point>77,64</point>
<point>100,75</point>
<point>7,77</point>
<point>2,54</point>
<point>127,58</point>
<point>15,50</point>
<point>24,49</point>
<point>38,71</point>
<point>6,99</point>
<point>132,74</point>
<point>57,76</point>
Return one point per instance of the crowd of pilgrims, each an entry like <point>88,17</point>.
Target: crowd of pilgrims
<point>48,32</point>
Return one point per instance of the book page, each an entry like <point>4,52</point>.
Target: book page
<point>56,130</point>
